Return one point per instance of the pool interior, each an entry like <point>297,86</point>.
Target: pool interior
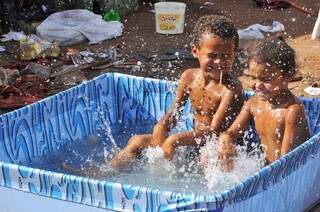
<point>91,155</point>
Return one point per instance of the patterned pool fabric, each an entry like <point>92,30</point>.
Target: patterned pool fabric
<point>289,184</point>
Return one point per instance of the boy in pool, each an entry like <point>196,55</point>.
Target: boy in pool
<point>279,116</point>
<point>215,93</point>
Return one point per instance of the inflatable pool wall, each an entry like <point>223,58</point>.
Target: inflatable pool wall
<point>289,184</point>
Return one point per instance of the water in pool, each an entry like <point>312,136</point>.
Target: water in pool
<point>90,157</point>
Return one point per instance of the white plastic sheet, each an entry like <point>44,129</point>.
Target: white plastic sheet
<point>314,91</point>
<point>16,36</point>
<point>256,31</point>
<point>2,49</point>
<point>72,27</point>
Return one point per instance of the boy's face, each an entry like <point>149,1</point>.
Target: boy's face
<point>269,82</point>
<point>215,55</point>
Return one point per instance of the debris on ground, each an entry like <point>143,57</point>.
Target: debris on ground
<point>111,15</point>
<point>13,36</point>
<point>36,69</point>
<point>8,76</point>
<point>313,89</point>
<point>33,47</point>
<point>87,60</point>
<point>26,89</point>
<point>2,49</point>
<point>73,27</point>
<point>256,31</point>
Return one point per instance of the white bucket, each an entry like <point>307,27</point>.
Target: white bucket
<point>170,17</point>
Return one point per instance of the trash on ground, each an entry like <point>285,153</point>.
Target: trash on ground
<point>86,53</point>
<point>18,66</point>
<point>111,15</point>
<point>255,31</point>
<point>2,49</point>
<point>75,56</point>
<point>72,27</point>
<point>208,3</point>
<point>8,76</point>
<point>176,54</point>
<point>313,90</point>
<point>13,36</point>
<point>26,89</point>
<point>37,69</point>
<point>68,69</point>
<point>33,47</point>
<point>43,61</point>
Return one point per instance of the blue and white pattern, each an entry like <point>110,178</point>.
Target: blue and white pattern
<point>51,124</point>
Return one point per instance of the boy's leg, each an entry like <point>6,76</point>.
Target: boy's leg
<point>191,138</point>
<point>131,151</point>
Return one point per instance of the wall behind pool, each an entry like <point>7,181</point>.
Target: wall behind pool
<point>49,125</point>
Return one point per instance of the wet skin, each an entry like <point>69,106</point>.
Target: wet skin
<point>278,115</point>
<point>216,99</point>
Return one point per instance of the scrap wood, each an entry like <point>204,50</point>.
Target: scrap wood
<point>94,66</point>
<point>70,69</point>
<point>73,68</point>
<point>115,64</point>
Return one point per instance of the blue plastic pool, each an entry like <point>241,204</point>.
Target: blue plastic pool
<point>49,126</point>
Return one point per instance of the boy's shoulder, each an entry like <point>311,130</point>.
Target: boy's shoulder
<point>252,101</point>
<point>292,105</point>
<point>295,107</point>
<point>189,75</point>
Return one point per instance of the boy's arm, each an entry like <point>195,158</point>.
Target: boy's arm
<point>226,150</point>
<point>293,119</point>
<point>220,116</point>
<point>169,120</point>
<point>237,127</point>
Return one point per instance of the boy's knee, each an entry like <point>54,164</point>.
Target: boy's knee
<point>172,140</point>
<point>168,146</point>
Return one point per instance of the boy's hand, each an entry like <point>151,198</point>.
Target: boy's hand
<point>226,152</point>
<point>159,135</point>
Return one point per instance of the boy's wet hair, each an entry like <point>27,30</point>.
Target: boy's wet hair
<point>216,25</point>
<point>276,53</point>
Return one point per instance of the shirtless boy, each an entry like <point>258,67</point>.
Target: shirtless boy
<point>278,115</point>
<point>215,94</point>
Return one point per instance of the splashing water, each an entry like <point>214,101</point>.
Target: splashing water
<point>91,157</point>
<point>104,130</point>
<point>245,165</point>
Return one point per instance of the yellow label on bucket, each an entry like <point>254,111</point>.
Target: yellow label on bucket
<point>168,21</point>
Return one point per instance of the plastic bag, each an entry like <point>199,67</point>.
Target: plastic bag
<point>33,47</point>
<point>16,36</point>
<point>255,31</point>
<point>72,27</point>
